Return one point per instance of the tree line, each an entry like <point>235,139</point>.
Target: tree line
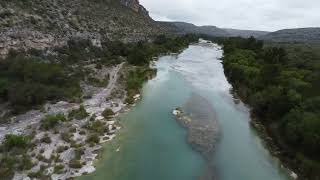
<point>282,85</point>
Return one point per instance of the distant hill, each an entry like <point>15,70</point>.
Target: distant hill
<point>245,33</point>
<point>285,35</point>
<point>294,35</point>
<point>184,28</point>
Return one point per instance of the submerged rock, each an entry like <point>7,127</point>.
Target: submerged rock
<point>200,119</point>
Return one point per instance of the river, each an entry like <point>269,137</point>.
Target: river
<point>152,144</point>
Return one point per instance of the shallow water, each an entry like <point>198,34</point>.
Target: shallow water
<point>153,145</point>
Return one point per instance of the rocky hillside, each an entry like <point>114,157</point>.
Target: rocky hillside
<point>245,33</point>
<point>43,24</point>
<point>297,35</point>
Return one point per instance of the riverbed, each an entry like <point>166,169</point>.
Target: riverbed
<point>153,145</point>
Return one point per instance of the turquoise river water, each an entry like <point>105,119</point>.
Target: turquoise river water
<point>153,145</point>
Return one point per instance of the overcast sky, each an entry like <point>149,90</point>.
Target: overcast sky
<point>267,15</point>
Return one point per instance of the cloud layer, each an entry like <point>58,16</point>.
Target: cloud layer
<point>267,15</point>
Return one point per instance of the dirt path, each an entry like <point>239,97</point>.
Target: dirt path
<point>99,98</point>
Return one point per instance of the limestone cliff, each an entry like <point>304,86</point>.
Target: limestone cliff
<point>135,6</point>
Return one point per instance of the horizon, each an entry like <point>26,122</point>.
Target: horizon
<point>287,14</point>
<point>235,28</point>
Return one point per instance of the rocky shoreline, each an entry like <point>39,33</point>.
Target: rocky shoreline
<point>69,149</point>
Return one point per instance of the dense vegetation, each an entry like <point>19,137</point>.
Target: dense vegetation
<point>13,155</point>
<point>29,79</point>
<point>281,83</point>
<point>26,81</point>
<point>135,80</point>
<point>50,121</point>
<point>142,52</point>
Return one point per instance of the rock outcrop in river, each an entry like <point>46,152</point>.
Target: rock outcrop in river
<point>199,117</point>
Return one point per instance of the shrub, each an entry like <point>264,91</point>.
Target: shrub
<point>75,164</point>
<point>50,121</point>
<point>46,139</point>
<point>15,141</point>
<point>7,165</point>
<point>93,117</point>
<point>58,169</point>
<point>25,163</point>
<point>97,82</point>
<point>78,153</point>
<point>66,136</point>
<point>129,100</point>
<point>96,127</point>
<point>93,138</point>
<point>78,114</point>
<point>107,113</point>
<point>73,130</point>
<point>3,87</point>
<point>61,149</point>
<point>37,174</point>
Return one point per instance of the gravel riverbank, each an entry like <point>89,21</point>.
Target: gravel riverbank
<point>65,151</point>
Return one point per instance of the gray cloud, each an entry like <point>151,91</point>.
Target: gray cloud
<point>268,15</point>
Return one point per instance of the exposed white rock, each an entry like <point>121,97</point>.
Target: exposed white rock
<point>49,170</point>
<point>110,127</point>
<point>47,153</point>
<point>111,122</point>
<point>99,118</point>
<point>18,176</point>
<point>293,175</point>
<point>176,112</point>
<point>67,155</point>
<point>137,96</point>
